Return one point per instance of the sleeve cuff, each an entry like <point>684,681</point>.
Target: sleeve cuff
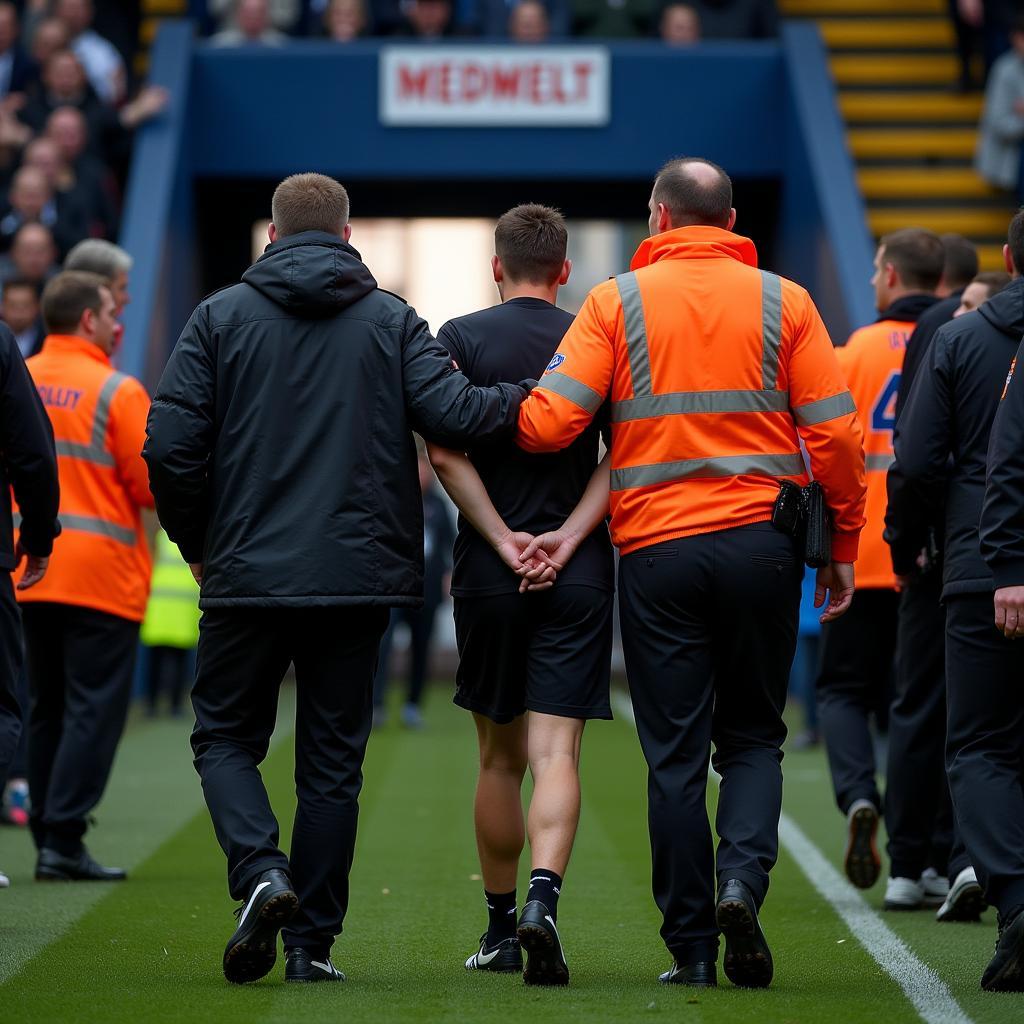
<point>845,547</point>
<point>1008,574</point>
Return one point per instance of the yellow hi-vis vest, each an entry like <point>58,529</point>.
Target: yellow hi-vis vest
<point>172,615</point>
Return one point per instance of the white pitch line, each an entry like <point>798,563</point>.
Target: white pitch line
<point>927,992</point>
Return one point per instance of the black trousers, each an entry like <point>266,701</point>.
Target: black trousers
<point>243,656</point>
<point>918,808</point>
<point>10,671</point>
<point>169,672</point>
<point>709,627</point>
<point>421,631</point>
<point>985,745</point>
<point>854,680</point>
<point>80,665</point>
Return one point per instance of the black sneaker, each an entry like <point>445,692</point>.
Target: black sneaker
<point>252,951</point>
<point>55,867</point>
<point>1005,972</point>
<point>299,966</point>
<point>748,960</point>
<point>862,863</point>
<point>545,961</point>
<point>505,958</point>
<point>699,975</point>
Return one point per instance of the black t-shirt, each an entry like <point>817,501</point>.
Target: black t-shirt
<point>534,493</point>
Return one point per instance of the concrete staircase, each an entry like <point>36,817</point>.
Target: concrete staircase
<point>153,12</point>
<point>911,133</point>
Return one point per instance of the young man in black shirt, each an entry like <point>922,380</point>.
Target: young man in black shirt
<point>547,652</point>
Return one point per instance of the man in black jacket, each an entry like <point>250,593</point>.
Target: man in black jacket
<point>942,442</point>
<point>28,464</point>
<point>282,461</point>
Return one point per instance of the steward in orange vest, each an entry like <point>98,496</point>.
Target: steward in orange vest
<point>858,652</point>
<point>716,371</point>
<point>82,621</point>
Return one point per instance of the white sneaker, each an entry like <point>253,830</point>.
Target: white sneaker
<point>936,888</point>
<point>903,894</point>
<point>965,901</point>
<point>4,881</point>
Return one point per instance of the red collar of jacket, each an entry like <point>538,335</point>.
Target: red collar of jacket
<point>697,242</point>
<point>67,343</point>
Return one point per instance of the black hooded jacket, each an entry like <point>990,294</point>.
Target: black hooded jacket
<point>280,445</point>
<point>942,437</point>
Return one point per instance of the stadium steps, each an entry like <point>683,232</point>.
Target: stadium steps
<point>911,132</point>
<point>153,12</point>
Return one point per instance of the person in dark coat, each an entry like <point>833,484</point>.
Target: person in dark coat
<point>28,464</point>
<point>941,445</point>
<point>438,538</point>
<point>283,465</point>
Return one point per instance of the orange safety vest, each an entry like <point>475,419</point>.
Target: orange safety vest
<point>716,372</point>
<point>101,560</point>
<point>873,361</point>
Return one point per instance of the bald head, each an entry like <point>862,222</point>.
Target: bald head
<point>691,191</point>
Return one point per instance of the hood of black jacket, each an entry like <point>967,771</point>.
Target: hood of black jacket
<point>312,275</point>
<point>909,308</point>
<point>1005,310</point>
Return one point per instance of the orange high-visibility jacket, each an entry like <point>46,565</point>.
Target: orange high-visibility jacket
<point>101,560</point>
<point>873,360</point>
<point>715,370</point>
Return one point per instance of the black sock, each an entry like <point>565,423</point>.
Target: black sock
<point>501,916</point>
<point>544,886</point>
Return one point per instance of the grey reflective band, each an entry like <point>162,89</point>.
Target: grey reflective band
<point>96,450</point>
<point>636,334</point>
<point>824,409</point>
<point>727,465</point>
<point>101,527</point>
<point>85,452</point>
<point>879,462</point>
<point>576,391</point>
<point>689,402</point>
<point>771,329</point>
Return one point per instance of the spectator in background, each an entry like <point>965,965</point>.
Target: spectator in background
<point>32,201</point>
<point>680,25</point>
<point>737,19</point>
<point>252,27</point>
<point>981,289</point>
<point>33,256</point>
<point>73,206</point>
<point>103,64</point>
<point>613,19</point>
<point>998,158</point>
<point>438,539</point>
<point>496,17</point>
<point>19,309</point>
<point>345,20</point>
<point>427,19</point>
<point>50,37</point>
<point>994,19</point>
<point>17,69</point>
<point>528,23</point>
<point>282,15</point>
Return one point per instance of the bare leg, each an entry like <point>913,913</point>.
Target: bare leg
<point>554,752</point>
<point>498,810</point>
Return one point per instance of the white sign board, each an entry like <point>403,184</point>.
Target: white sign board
<point>494,85</point>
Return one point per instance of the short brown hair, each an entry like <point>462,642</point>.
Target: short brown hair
<point>994,280</point>
<point>309,202</point>
<point>918,256</point>
<point>531,240</point>
<point>68,296</point>
<point>690,199</point>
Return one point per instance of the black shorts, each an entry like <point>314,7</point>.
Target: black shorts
<point>548,652</point>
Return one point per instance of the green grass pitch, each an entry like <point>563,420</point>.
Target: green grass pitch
<point>150,950</point>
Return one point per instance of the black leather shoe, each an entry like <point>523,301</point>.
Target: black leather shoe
<point>1005,972</point>
<point>302,966</point>
<point>538,937</point>
<point>252,951</point>
<point>748,960</point>
<point>699,975</point>
<point>55,867</point>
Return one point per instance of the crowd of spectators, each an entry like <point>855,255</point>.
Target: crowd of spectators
<point>67,114</point>
<point>272,22</point>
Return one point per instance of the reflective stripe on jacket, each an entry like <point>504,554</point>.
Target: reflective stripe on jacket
<point>716,372</point>
<point>101,560</point>
<point>872,361</point>
<point>172,615</point>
